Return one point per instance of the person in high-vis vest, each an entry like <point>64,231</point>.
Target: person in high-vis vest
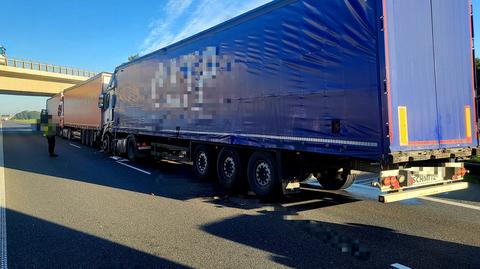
<point>49,131</point>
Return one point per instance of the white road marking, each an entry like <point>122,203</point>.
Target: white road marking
<point>438,200</point>
<point>363,181</point>
<point>3,223</point>
<point>363,186</point>
<point>302,203</point>
<point>119,159</point>
<point>400,266</point>
<point>73,145</point>
<point>135,168</point>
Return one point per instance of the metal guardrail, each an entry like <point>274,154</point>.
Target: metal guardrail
<point>31,65</point>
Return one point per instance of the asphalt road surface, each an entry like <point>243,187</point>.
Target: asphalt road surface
<point>85,209</point>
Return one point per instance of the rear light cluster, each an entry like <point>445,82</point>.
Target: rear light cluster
<point>397,182</point>
<point>392,182</point>
<point>460,173</point>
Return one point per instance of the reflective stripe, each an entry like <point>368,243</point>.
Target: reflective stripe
<point>291,138</point>
<point>403,125</point>
<point>468,121</point>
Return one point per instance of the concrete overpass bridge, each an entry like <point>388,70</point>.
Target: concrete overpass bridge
<point>20,77</point>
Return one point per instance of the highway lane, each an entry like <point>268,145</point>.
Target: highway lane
<point>84,209</point>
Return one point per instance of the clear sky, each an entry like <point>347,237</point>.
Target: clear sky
<point>99,35</point>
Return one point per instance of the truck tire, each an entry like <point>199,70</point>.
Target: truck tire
<point>203,162</point>
<point>94,139</point>
<point>70,134</point>
<point>82,137</point>
<point>62,134</point>
<point>87,138</point>
<point>132,151</point>
<point>107,143</point>
<point>114,147</point>
<point>229,168</point>
<point>90,138</point>
<point>332,179</point>
<point>263,175</point>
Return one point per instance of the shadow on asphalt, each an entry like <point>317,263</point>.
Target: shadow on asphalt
<point>320,244</point>
<point>27,152</point>
<point>42,244</point>
<point>307,200</point>
<point>272,227</point>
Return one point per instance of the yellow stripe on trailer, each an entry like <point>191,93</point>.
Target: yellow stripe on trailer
<point>403,125</point>
<point>468,121</point>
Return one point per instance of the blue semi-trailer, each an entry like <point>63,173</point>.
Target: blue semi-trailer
<point>295,88</point>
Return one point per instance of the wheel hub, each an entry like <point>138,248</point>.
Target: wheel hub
<point>202,163</point>
<point>229,167</point>
<point>263,174</point>
<point>105,144</point>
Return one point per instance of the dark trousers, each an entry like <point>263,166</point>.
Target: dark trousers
<point>51,144</point>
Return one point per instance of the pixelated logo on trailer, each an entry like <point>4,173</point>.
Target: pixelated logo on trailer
<point>182,82</point>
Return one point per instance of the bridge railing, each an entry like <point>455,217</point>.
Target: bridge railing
<point>31,65</point>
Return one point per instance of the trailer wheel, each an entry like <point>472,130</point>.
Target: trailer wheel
<point>95,139</point>
<point>62,133</point>
<point>114,147</point>
<point>132,151</point>
<point>332,179</point>
<point>263,175</point>
<point>70,134</point>
<point>87,138</point>
<point>229,168</point>
<point>106,144</point>
<point>90,138</point>
<point>203,162</point>
<point>85,134</point>
<point>82,137</point>
<point>94,142</point>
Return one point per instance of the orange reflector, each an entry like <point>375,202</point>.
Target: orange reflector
<point>403,125</point>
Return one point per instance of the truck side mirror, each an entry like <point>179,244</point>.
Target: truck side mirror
<point>114,100</point>
<point>101,99</point>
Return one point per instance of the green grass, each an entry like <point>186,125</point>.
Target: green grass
<point>474,175</point>
<point>31,121</point>
<point>475,159</point>
<point>472,178</point>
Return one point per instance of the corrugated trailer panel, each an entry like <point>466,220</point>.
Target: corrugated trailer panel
<point>454,77</point>
<point>53,108</point>
<point>411,74</point>
<point>429,63</point>
<point>81,103</point>
<point>300,75</point>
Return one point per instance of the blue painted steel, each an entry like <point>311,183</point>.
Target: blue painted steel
<point>273,78</point>
<point>430,72</point>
